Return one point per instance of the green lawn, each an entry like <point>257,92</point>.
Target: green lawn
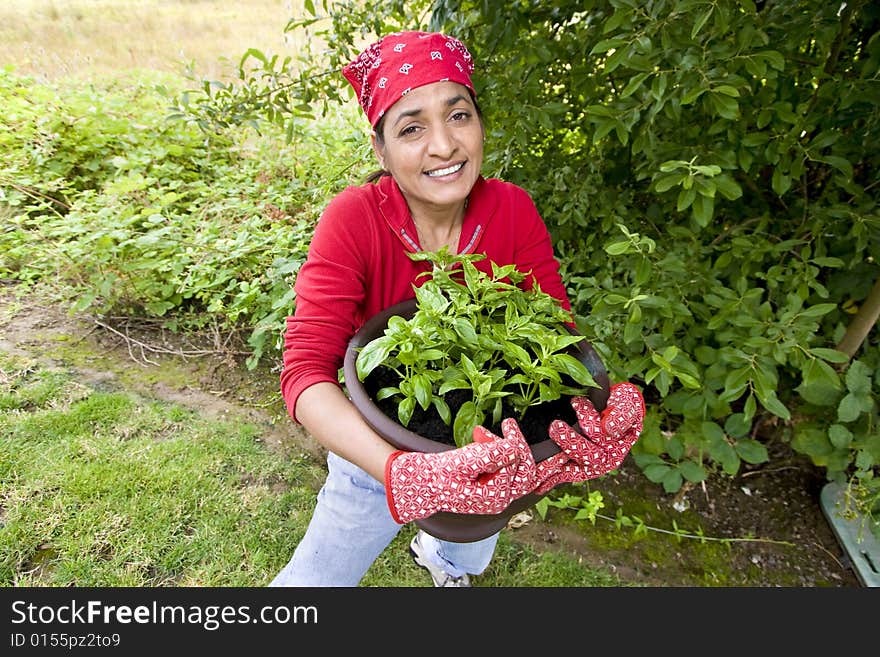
<point>100,486</point>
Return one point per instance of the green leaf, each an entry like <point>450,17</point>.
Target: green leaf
<point>701,21</point>
<point>781,181</point>
<point>776,60</point>
<point>828,261</point>
<point>810,440</point>
<point>372,355</point>
<point>723,453</point>
<point>634,83</point>
<point>818,310</point>
<point>603,128</point>
<point>443,409</point>
<point>685,198</point>
<point>849,408</point>
<point>422,390</point>
<point>724,105</point>
<point>405,410</point>
<point>632,333</point>
<point>830,355</point>
<point>664,183</point>
<point>820,375</point>
<point>820,394</point>
<point>751,406</point>
<point>858,377</point>
<point>692,471</point>
<point>739,424</point>
<point>466,419</point>
<point>616,20</point>
<point>657,472</point>
<point>840,436</point>
<point>728,188</point>
<point>705,186</point>
<point>751,451</point>
<point>672,481</point>
<point>771,402</point>
<point>727,90</point>
<point>515,354</point>
<point>465,330</point>
<point>703,209</point>
<point>672,165</point>
<point>574,368</point>
<point>607,44</point>
<point>615,299</point>
<point>432,354</point>
<point>711,431</point>
<point>840,163</point>
<point>617,248</point>
<point>635,314</point>
<point>599,110</point>
<point>616,58</point>
<point>691,95</point>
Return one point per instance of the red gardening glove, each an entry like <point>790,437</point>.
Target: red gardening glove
<point>474,479</point>
<point>529,476</point>
<point>606,439</point>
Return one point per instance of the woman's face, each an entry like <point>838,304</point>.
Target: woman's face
<point>433,145</point>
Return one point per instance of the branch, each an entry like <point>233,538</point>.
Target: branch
<point>862,323</point>
<point>144,347</point>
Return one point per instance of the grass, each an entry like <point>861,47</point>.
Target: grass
<point>53,39</point>
<point>102,487</point>
<point>106,488</point>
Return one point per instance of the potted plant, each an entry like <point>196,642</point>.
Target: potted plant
<point>470,349</point>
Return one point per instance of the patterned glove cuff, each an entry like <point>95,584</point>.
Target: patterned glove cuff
<point>389,496</point>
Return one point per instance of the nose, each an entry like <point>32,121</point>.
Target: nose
<point>442,142</point>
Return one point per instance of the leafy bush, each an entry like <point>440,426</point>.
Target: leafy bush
<point>147,217</point>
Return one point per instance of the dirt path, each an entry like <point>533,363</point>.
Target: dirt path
<point>779,502</point>
<point>212,384</point>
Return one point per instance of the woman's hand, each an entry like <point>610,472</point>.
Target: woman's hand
<point>529,476</point>
<point>480,478</point>
<point>605,438</point>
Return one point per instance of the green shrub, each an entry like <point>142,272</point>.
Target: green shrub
<point>141,216</point>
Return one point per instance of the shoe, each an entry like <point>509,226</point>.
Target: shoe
<point>440,577</point>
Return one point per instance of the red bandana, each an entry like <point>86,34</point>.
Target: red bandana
<point>399,62</point>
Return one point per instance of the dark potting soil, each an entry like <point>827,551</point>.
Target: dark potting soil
<point>428,423</point>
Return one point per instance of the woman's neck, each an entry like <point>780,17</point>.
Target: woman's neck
<point>438,230</point>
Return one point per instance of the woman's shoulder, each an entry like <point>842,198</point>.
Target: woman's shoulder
<point>354,204</point>
<point>364,193</point>
<point>508,197</point>
<point>505,190</point>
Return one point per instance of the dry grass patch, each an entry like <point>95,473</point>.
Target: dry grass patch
<point>51,39</point>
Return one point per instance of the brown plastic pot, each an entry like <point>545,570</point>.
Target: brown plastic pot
<point>457,527</point>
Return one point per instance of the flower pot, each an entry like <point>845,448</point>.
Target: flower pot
<point>461,528</point>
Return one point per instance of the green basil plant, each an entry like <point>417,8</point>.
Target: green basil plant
<point>481,332</point>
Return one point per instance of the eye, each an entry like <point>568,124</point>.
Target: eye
<point>460,115</point>
<point>409,131</point>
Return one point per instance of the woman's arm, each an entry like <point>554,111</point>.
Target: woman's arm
<point>330,417</point>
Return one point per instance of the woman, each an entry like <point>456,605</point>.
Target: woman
<point>416,91</point>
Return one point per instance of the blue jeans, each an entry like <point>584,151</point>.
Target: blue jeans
<point>351,526</point>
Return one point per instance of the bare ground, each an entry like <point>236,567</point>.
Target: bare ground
<point>777,503</point>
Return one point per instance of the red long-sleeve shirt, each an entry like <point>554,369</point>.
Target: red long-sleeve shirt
<point>357,266</point>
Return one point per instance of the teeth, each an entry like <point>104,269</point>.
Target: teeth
<point>446,171</point>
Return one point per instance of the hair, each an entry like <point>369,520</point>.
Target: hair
<point>379,129</point>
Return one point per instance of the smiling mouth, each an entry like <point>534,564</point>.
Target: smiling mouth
<point>436,173</point>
